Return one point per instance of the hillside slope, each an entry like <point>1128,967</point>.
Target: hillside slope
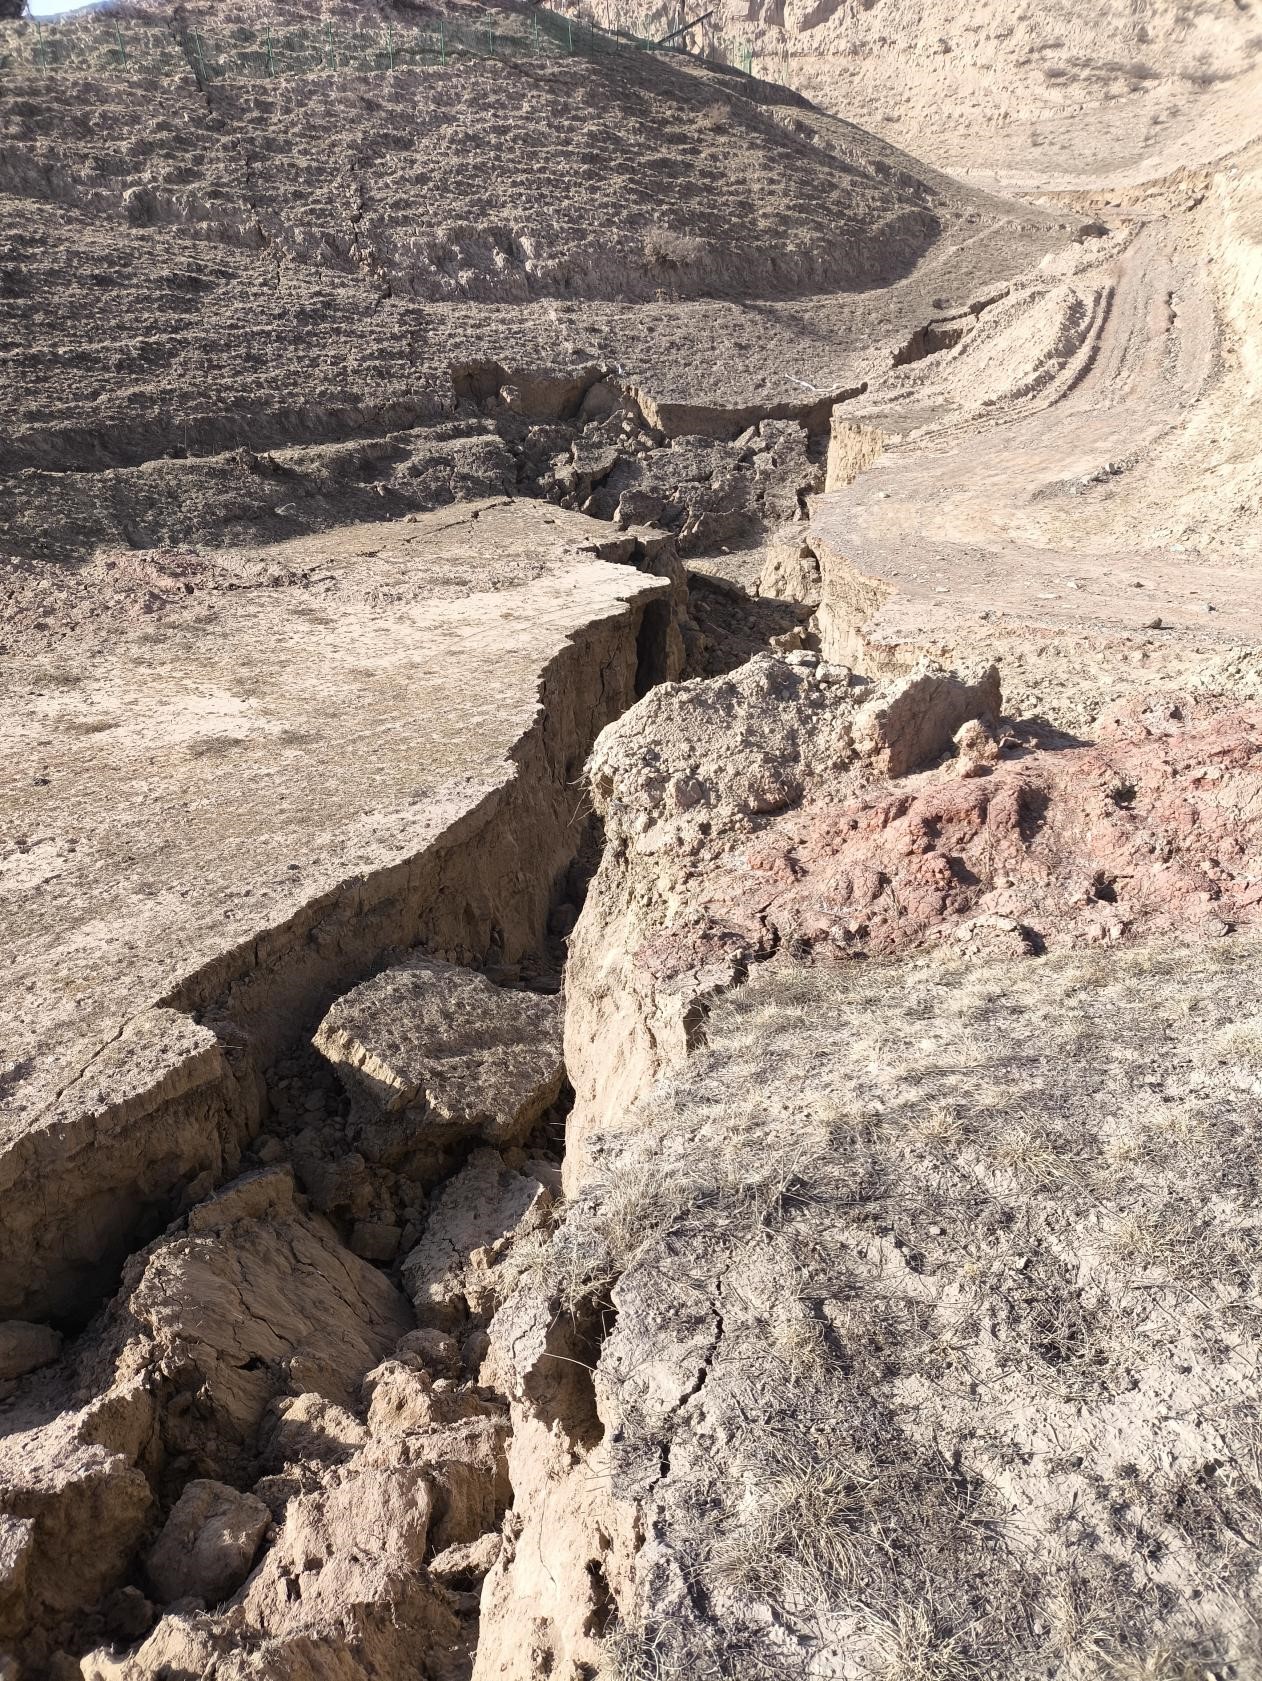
<point>327,256</point>
<point>1034,96</point>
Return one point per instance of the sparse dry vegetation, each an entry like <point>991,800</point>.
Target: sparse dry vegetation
<point>667,248</point>
<point>971,1253</point>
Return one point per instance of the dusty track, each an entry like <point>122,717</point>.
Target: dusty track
<point>1105,487</point>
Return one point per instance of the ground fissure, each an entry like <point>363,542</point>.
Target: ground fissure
<point>631,895</point>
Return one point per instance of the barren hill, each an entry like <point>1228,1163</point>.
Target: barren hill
<point>1037,95</point>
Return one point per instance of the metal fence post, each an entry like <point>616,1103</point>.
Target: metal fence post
<point>43,51</point>
<point>122,50</point>
<point>271,62</point>
<point>569,29</point>
<point>390,46</point>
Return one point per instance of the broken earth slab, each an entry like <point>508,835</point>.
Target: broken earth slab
<point>255,1300</point>
<point>353,1528</point>
<point>244,800</point>
<point>25,1347</point>
<point>208,1543</point>
<point>437,1052</point>
<point>473,1224</point>
<point>255,1385</point>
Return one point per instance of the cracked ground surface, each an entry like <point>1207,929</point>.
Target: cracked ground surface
<point>934,1344</point>
<point>375,443</point>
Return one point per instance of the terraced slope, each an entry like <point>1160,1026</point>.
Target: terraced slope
<point>326,257</point>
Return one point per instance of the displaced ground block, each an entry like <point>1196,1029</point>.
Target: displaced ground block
<point>441,1045</point>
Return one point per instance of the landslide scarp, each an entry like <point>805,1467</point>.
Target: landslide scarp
<point>302,898</point>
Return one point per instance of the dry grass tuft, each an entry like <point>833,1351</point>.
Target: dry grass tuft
<point>962,1268</point>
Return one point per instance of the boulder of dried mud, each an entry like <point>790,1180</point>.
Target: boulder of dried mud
<point>343,1591</point>
<point>259,1299</point>
<point>436,1352</point>
<point>343,1542</point>
<point>455,1433</point>
<point>790,571</point>
<point>470,1559</point>
<point>24,1347</point>
<point>450,1275</point>
<point>735,749</point>
<point>208,1543</point>
<point>309,1428</point>
<point>912,721</point>
<point>75,1501</point>
<point>441,1053</point>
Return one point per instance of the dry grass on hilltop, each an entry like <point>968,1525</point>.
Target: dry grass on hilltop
<point>978,1249</point>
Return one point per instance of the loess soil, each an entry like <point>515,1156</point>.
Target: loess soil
<point>629,843</point>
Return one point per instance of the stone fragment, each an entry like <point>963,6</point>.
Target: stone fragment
<point>208,1543</point>
<point>24,1347</point>
<point>472,1558</point>
<point>376,1240</point>
<point>309,1428</point>
<point>16,1539</point>
<point>435,1350</point>
<point>440,1047</point>
<point>450,1273</point>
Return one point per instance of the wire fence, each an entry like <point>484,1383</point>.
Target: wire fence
<point>96,46</point>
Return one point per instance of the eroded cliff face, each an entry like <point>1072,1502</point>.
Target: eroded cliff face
<point>274,1436</point>
<point>885,1097</point>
